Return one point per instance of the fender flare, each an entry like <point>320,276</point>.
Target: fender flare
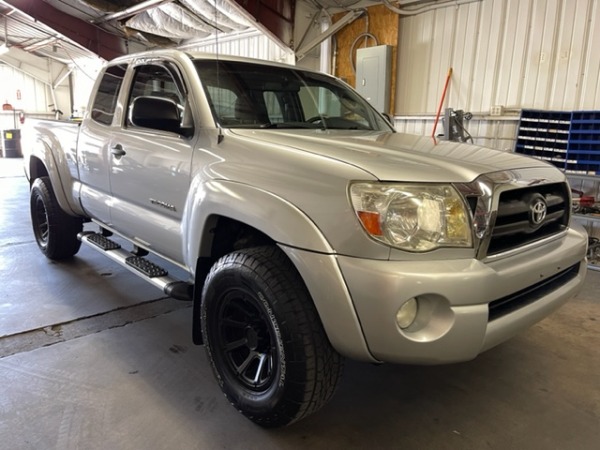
<point>48,150</point>
<point>296,234</point>
<point>272,215</point>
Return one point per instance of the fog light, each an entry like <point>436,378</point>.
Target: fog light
<point>407,313</point>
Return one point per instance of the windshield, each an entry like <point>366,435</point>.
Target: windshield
<point>246,95</point>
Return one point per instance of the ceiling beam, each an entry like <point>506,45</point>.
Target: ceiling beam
<point>102,43</point>
<point>29,64</point>
<point>132,10</point>
<point>350,17</point>
<point>277,16</point>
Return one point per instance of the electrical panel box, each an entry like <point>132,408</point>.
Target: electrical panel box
<point>373,75</point>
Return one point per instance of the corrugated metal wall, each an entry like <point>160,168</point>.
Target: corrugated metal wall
<point>252,44</point>
<point>513,53</point>
<point>35,95</point>
<point>496,133</point>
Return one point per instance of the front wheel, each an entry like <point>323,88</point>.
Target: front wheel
<point>264,339</point>
<point>55,231</point>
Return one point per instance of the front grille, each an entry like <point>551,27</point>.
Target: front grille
<point>510,303</point>
<point>514,226</point>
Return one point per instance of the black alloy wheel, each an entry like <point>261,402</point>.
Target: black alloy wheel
<point>247,340</point>
<point>264,339</point>
<point>55,231</point>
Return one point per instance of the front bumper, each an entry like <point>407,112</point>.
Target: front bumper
<point>454,295</point>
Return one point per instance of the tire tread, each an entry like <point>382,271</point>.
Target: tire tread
<point>62,228</point>
<point>322,366</point>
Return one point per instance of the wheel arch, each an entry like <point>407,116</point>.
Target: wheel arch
<point>313,258</point>
<point>222,235</point>
<point>219,204</point>
<point>42,162</point>
<point>37,169</point>
<point>223,216</point>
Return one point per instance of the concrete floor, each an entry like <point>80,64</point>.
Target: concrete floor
<point>91,357</point>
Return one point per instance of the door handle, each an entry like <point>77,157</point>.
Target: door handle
<point>117,150</point>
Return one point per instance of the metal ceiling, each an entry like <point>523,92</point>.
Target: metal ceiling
<point>67,29</point>
<point>22,31</point>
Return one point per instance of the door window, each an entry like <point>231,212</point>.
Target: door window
<point>157,81</point>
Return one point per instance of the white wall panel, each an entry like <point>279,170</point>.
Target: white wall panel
<point>251,44</point>
<point>83,77</point>
<point>591,65</point>
<point>35,95</point>
<point>495,133</point>
<point>515,53</point>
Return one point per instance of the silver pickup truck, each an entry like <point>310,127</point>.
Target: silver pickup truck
<point>311,231</point>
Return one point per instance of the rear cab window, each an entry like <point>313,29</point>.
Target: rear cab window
<point>105,102</point>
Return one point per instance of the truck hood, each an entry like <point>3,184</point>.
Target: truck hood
<point>396,156</point>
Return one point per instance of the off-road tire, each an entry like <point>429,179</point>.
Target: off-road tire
<point>55,231</point>
<point>264,339</point>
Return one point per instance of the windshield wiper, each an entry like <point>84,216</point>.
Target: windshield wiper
<point>289,125</point>
<point>350,127</point>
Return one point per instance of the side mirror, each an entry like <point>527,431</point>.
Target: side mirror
<point>157,113</point>
<point>388,118</point>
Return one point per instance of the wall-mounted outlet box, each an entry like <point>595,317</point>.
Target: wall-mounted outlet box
<point>497,110</point>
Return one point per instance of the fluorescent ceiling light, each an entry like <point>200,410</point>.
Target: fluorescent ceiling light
<point>4,49</point>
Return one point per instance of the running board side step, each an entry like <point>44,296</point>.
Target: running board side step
<point>142,267</point>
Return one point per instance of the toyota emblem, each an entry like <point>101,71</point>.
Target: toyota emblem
<point>537,211</point>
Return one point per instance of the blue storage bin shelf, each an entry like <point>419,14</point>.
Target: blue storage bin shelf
<point>568,139</point>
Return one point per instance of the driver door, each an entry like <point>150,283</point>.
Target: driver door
<point>150,169</point>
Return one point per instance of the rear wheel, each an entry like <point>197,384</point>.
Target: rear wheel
<point>264,338</point>
<point>55,231</point>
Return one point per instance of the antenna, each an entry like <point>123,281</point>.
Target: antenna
<point>220,136</point>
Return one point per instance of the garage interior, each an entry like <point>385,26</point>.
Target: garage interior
<point>93,357</point>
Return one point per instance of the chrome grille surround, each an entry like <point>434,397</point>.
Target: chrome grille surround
<point>503,210</point>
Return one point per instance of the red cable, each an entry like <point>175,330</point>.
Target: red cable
<point>437,117</point>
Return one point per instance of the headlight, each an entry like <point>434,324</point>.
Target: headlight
<point>414,217</point>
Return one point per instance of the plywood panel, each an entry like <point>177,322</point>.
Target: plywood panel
<point>381,23</point>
